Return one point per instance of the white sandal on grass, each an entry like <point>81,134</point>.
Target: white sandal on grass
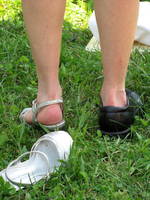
<point>36,109</point>
<point>45,158</point>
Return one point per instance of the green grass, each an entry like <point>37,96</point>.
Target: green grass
<point>99,168</point>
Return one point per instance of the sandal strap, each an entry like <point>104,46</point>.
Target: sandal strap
<point>36,107</point>
<point>18,160</point>
<point>47,103</point>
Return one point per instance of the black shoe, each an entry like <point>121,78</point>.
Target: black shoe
<point>116,121</point>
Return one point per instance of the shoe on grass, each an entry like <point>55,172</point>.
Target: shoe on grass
<point>117,121</point>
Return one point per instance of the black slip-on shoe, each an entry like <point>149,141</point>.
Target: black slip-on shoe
<point>116,121</point>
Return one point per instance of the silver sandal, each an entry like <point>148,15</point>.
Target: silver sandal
<point>35,110</point>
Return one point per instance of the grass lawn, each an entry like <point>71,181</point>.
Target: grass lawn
<point>99,168</point>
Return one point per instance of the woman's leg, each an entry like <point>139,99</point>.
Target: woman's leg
<point>117,21</point>
<point>43,19</point>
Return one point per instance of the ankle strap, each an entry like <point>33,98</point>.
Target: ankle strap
<point>36,107</point>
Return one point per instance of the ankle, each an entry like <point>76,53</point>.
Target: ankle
<point>113,97</point>
<point>50,94</point>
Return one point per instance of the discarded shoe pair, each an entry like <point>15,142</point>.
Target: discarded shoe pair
<point>44,158</point>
